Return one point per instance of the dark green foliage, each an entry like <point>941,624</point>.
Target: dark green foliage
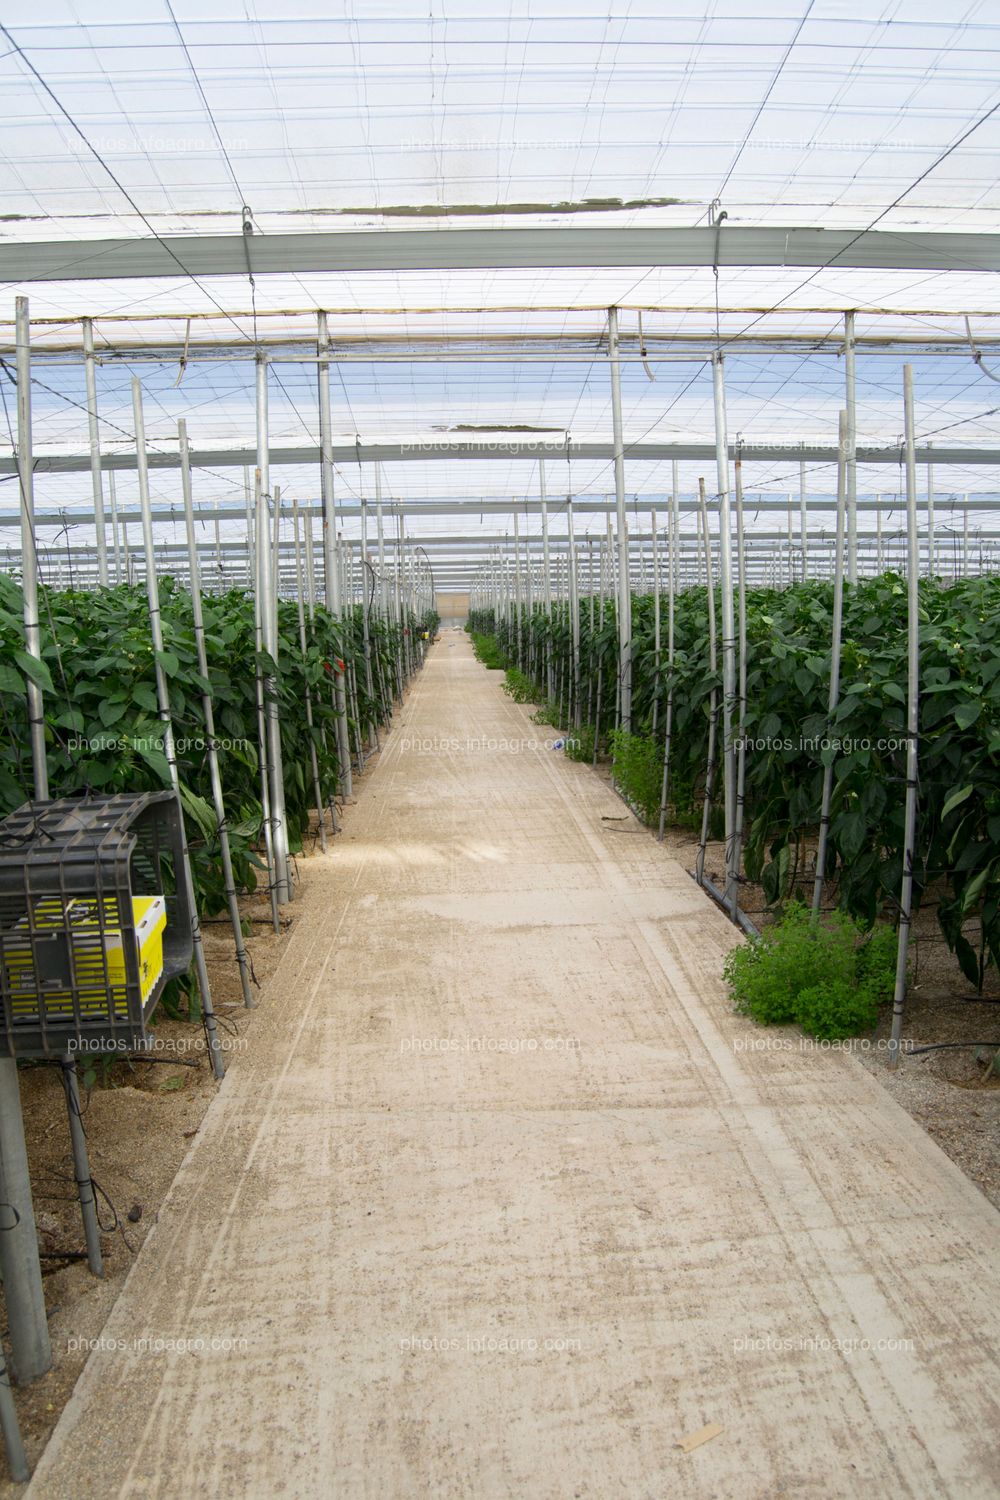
<point>828,975</point>
<point>790,740</point>
<point>102,729</point>
<point>638,769</point>
<point>486,650</point>
<point>518,686</point>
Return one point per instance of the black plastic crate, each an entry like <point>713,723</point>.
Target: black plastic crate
<point>76,876</point>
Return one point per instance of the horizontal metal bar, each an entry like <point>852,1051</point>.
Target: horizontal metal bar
<point>495,249</point>
<point>507,447</point>
<point>945,506</point>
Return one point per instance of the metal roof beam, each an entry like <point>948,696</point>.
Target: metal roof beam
<point>508,447</point>
<point>494,249</point>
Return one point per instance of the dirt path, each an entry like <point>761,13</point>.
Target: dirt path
<point>502,1203</point>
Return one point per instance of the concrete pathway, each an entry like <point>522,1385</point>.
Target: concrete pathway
<point>500,1203</point>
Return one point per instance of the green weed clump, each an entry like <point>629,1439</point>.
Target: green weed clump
<point>486,650</point>
<point>580,744</point>
<point>519,687</point>
<point>638,771</point>
<point>830,976</point>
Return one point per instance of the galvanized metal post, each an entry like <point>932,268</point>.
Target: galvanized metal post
<point>30,1347</point>
<point>260,552</point>
<point>932,558</point>
<point>114,527</point>
<point>31,1350</point>
<point>713,719</point>
<point>965,539</point>
<point>546,580</point>
<point>331,565</point>
<point>366,644</point>
<point>912,720</point>
<point>803,520</point>
<point>574,614</point>
<point>835,644</point>
<point>166,721</point>
<point>279,827</point>
<point>741,591</point>
<point>728,630</point>
<point>656,621</point>
<point>313,761</point>
<point>29,560</point>
<point>852,449</point>
<point>208,713</point>
<point>90,380</point>
<point>673,532</point>
<point>624,587</point>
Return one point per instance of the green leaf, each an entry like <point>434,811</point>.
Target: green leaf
<point>199,811</point>
<point>36,670</point>
<point>11,680</point>
<point>110,712</point>
<point>169,661</point>
<point>955,799</point>
<point>968,960</point>
<point>971,892</point>
<point>967,713</point>
<point>145,696</point>
<point>154,758</point>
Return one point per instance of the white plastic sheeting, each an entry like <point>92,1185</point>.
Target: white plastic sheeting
<point>154,118</point>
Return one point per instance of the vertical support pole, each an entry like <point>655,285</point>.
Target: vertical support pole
<point>713,719</point>
<point>912,718</point>
<point>31,1350</point>
<point>517,592</point>
<point>803,519</point>
<point>314,763</point>
<point>546,581</point>
<point>279,825</point>
<point>17,1462</point>
<point>90,380</point>
<point>965,539</point>
<point>163,699</point>
<point>850,384</point>
<point>208,713</point>
<point>656,621</point>
<point>331,565</point>
<point>728,629</point>
<point>574,614</point>
<point>879,551</point>
<point>366,594</point>
<point>741,592</point>
<point>835,644</point>
<point>401,595</point>
<point>29,561</point>
<point>250,501</point>
<point>259,552</point>
<point>673,532</point>
<point>30,1347</point>
<point>624,590</point>
<point>81,1165</point>
<point>932,558</point>
<point>114,526</point>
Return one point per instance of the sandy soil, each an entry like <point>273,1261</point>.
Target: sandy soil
<point>140,1120</point>
<point>953,1092</point>
<point>503,1200</point>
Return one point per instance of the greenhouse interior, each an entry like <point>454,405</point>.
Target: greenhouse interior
<point>500,768</point>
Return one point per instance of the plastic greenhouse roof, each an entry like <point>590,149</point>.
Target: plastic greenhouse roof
<point>159,118</point>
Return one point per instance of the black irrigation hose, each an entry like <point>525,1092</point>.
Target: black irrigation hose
<point>944,1046</point>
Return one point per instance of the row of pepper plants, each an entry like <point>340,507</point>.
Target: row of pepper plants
<point>790,738</point>
<point>103,735</point>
